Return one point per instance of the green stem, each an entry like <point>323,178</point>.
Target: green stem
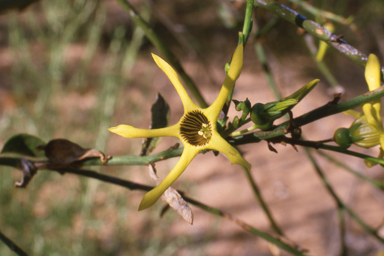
<point>376,183</point>
<point>260,199</point>
<point>315,30</point>
<point>12,246</point>
<point>339,203</point>
<point>251,128</point>
<point>268,75</point>
<point>247,21</point>
<point>160,45</point>
<point>116,160</point>
<point>316,145</point>
<point>320,64</point>
<point>324,14</point>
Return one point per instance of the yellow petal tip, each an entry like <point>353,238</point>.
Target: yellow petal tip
<point>148,200</point>
<point>124,130</point>
<point>112,129</point>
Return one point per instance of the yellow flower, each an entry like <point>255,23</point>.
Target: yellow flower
<point>367,130</point>
<point>196,128</point>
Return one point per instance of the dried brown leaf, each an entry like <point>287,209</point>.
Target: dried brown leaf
<point>63,153</point>
<point>173,198</point>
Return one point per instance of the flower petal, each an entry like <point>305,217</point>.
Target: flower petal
<point>372,76</point>
<point>354,113</point>
<point>371,114</point>
<point>172,75</point>
<point>372,72</point>
<point>370,163</point>
<point>152,196</point>
<point>219,144</point>
<point>229,82</point>
<point>132,132</point>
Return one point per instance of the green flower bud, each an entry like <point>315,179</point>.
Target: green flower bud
<point>342,138</point>
<point>258,115</point>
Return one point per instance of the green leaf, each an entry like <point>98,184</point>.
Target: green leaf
<point>24,144</point>
<point>160,118</point>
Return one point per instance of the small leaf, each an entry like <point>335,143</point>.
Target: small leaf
<point>62,153</point>
<point>160,118</point>
<point>23,144</point>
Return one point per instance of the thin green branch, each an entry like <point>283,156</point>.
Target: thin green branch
<point>261,201</point>
<point>116,160</point>
<point>339,203</point>
<point>376,183</point>
<point>12,246</point>
<point>320,64</point>
<point>317,145</point>
<point>315,30</point>
<point>160,45</point>
<point>247,22</point>
<point>325,14</point>
<point>259,49</point>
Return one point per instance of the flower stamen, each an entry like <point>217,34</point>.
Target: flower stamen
<point>195,128</point>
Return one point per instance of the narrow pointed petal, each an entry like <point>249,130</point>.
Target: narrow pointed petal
<point>354,113</point>
<point>132,132</point>
<point>229,82</point>
<point>372,76</point>
<point>370,163</point>
<point>372,72</point>
<point>219,144</point>
<point>172,75</point>
<point>152,196</point>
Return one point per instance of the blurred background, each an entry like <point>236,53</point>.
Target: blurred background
<point>72,69</point>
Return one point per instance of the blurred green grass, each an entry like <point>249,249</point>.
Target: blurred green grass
<point>65,67</point>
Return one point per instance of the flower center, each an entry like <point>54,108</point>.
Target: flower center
<point>195,128</point>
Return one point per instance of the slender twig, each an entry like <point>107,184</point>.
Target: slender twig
<point>259,49</point>
<point>320,64</point>
<point>261,201</point>
<point>339,203</point>
<point>247,21</point>
<point>12,246</point>
<point>325,14</point>
<point>376,183</point>
<point>315,30</point>
<point>161,46</point>
<point>316,145</point>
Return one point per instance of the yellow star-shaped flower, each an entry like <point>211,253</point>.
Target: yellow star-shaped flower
<point>196,129</point>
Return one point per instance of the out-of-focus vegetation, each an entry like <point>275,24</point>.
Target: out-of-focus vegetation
<point>71,69</point>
